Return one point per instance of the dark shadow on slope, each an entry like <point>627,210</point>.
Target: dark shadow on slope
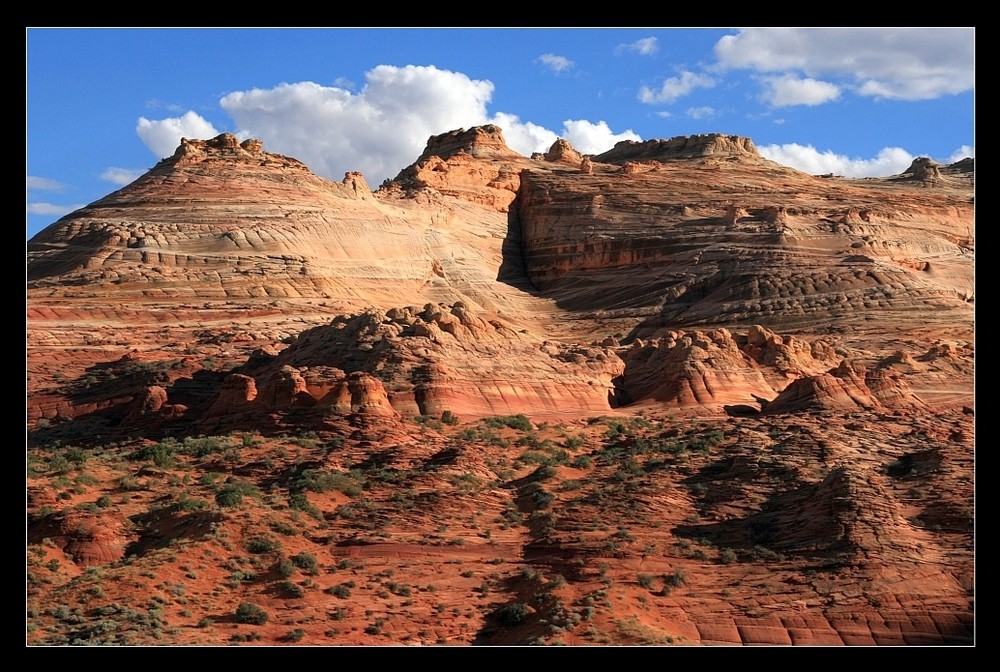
<point>512,269</point>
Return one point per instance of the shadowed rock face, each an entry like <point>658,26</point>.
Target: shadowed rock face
<point>710,232</point>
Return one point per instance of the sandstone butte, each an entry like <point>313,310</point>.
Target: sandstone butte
<point>675,393</point>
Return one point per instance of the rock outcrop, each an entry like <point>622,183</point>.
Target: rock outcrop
<point>713,369</point>
<point>563,152</point>
<point>681,147</point>
<point>648,235</point>
<point>848,386</point>
<point>426,361</point>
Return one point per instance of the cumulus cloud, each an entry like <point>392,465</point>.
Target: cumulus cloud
<point>378,130</point>
<point>590,138</point>
<point>122,176</point>
<point>787,90</point>
<point>889,161</point>
<point>675,87</point>
<point>963,152</point>
<point>52,209</point>
<point>162,137</point>
<point>665,114</point>
<point>894,63</point>
<point>44,184</point>
<point>523,137</point>
<point>555,63</point>
<point>703,112</point>
<point>385,125</point>
<point>647,46</point>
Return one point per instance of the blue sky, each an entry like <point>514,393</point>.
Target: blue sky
<point>104,105</point>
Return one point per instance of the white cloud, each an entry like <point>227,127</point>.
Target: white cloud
<point>590,138</point>
<point>385,126</point>
<point>963,152</point>
<point>647,46</point>
<point>52,209</point>
<point>896,63</point>
<point>675,87</point>
<point>378,130</point>
<point>162,137</point>
<point>44,184</point>
<point>889,161</point>
<point>555,63</point>
<point>523,137</point>
<point>665,114</point>
<point>788,89</point>
<point>703,112</point>
<point>122,176</point>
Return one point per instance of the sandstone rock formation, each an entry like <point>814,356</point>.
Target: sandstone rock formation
<point>825,251</point>
<point>426,361</point>
<point>848,386</point>
<point>738,394</point>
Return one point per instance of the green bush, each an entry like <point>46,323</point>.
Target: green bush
<point>294,636</point>
<point>262,545</point>
<point>728,556</point>
<point>676,579</point>
<point>519,422</point>
<point>292,589</point>
<point>512,614</point>
<point>340,590</point>
<point>232,493</point>
<point>248,612</point>
<point>285,568</point>
<point>350,484</point>
<point>306,562</point>
<point>162,454</point>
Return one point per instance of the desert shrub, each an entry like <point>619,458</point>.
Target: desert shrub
<point>645,580</point>
<point>727,556</point>
<point>449,418</point>
<point>350,484</point>
<point>306,562</point>
<point>248,612</point>
<point>292,589</point>
<point>705,442</point>
<point>512,614</point>
<point>186,503</point>
<point>293,636</point>
<point>283,528</point>
<point>340,590</point>
<point>233,492</point>
<point>262,545</point>
<point>161,454</point>
<point>676,579</point>
<point>519,422</point>
<point>285,568</point>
